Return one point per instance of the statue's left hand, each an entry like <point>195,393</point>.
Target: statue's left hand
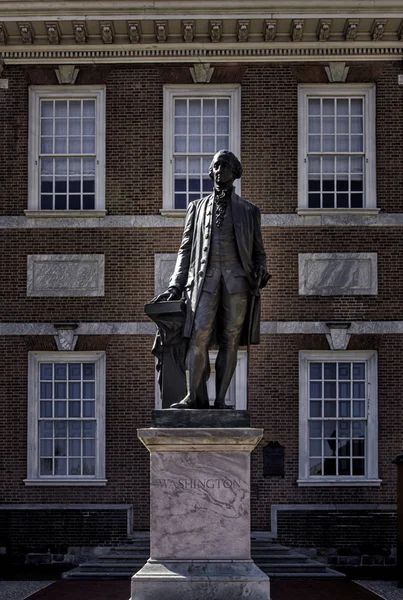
<point>260,273</point>
<point>172,293</point>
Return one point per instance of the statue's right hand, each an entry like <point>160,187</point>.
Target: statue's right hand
<point>172,293</point>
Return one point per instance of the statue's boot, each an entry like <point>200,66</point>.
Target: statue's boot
<point>220,405</point>
<point>187,402</point>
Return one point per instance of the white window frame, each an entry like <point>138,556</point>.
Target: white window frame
<point>172,92</point>
<point>33,476</point>
<point>65,92</point>
<point>368,93</point>
<point>371,459</point>
<point>238,388</point>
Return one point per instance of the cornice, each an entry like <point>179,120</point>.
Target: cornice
<point>173,54</point>
<point>169,36</point>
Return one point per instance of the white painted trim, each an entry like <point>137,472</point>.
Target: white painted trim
<point>371,451</point>
<point>34,358</point>
<point>63,483</point>
<point>36,93</point>
<point>62,214</point>
<point>368,92</point>
<point>173,91</point>
<point>276,508</point>
<point>309,212</point>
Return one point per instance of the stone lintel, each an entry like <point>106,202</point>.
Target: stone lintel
<point>200,439</point>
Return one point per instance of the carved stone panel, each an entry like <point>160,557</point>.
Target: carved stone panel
<point>65,275</point>
<point>163,268</point>
<point>347,274</point>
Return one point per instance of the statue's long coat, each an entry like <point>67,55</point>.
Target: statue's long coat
<point>193,255</point>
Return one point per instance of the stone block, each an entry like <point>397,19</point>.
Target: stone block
<point>56,275</point>
<point>200,580</point>
<point>164,265</point>
<point>200,418</point>
<point>200,516</point>
<point>338,274</point>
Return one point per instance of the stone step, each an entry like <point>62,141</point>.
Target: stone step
<point>121,562</point>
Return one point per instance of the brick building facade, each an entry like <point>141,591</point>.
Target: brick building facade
<point>107,122</point>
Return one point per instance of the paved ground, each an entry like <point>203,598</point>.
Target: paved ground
<point>19,590</point>
<point>120,590</point>
<point>387,590</point>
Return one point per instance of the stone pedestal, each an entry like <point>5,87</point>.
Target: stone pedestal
<point>200,516</point>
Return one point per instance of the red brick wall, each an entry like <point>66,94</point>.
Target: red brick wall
<point>134,133</point>
<point>129,273</point>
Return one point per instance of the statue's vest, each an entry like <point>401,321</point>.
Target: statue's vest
<point>224,262</point>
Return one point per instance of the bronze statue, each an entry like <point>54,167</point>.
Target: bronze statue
<point>220,267</point>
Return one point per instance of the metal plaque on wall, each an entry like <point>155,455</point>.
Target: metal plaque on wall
<point>273,460</point>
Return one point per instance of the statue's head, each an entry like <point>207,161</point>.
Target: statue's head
<point>229,158</point>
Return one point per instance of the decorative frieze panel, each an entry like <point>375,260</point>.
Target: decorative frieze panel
<point>344,274</point>
<point>164,265</point>
<point>65,275</point>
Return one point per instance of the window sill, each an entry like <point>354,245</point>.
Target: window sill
<point>309,212</point>
<point>177,213</point>
<point>65,482</point>
<point>57,214</point>
<point>339,482</point>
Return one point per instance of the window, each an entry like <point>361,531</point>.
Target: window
<point>66,414</point>
<point>237,392</point>
<point>67,139</point>
<point>337,148</point>
<point>198,121</point>
<point>338,418</point>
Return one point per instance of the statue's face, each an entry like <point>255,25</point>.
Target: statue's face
<point>222,173</point>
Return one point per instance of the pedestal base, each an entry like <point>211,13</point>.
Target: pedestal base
<point>200,580</point>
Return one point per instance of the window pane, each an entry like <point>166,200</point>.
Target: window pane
<point>74,466</point>
<point>60,429</point>
<point>358,466</point>
<point>46,429</point>
<point>315,371</point>
<point>315,466</point>
<point>74,409</point>
<point>315,429</point>
<point>46,391</point>
<point>316,409</point>
<point>61,448</point>
<point>46,448</point>
<point>315,389</point>
<point>89,409</point>
<point>88,447</point>
<point>75,429</point>
<point>344,429</point>
<point>315,448</point>
<point>344,371</point>
<point>358,429</point>
<point>329,409</point>
<point>60,390</point>
<point>88,466</point>
<point>359,371</point>
<point>60,466</point>
<point>329,466</point>
<point>74,390</point>
<point>46,371</point>
<point>89,428</point>
<point>329,429</point>
<point>330,389</point>
<point>46,466</point>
